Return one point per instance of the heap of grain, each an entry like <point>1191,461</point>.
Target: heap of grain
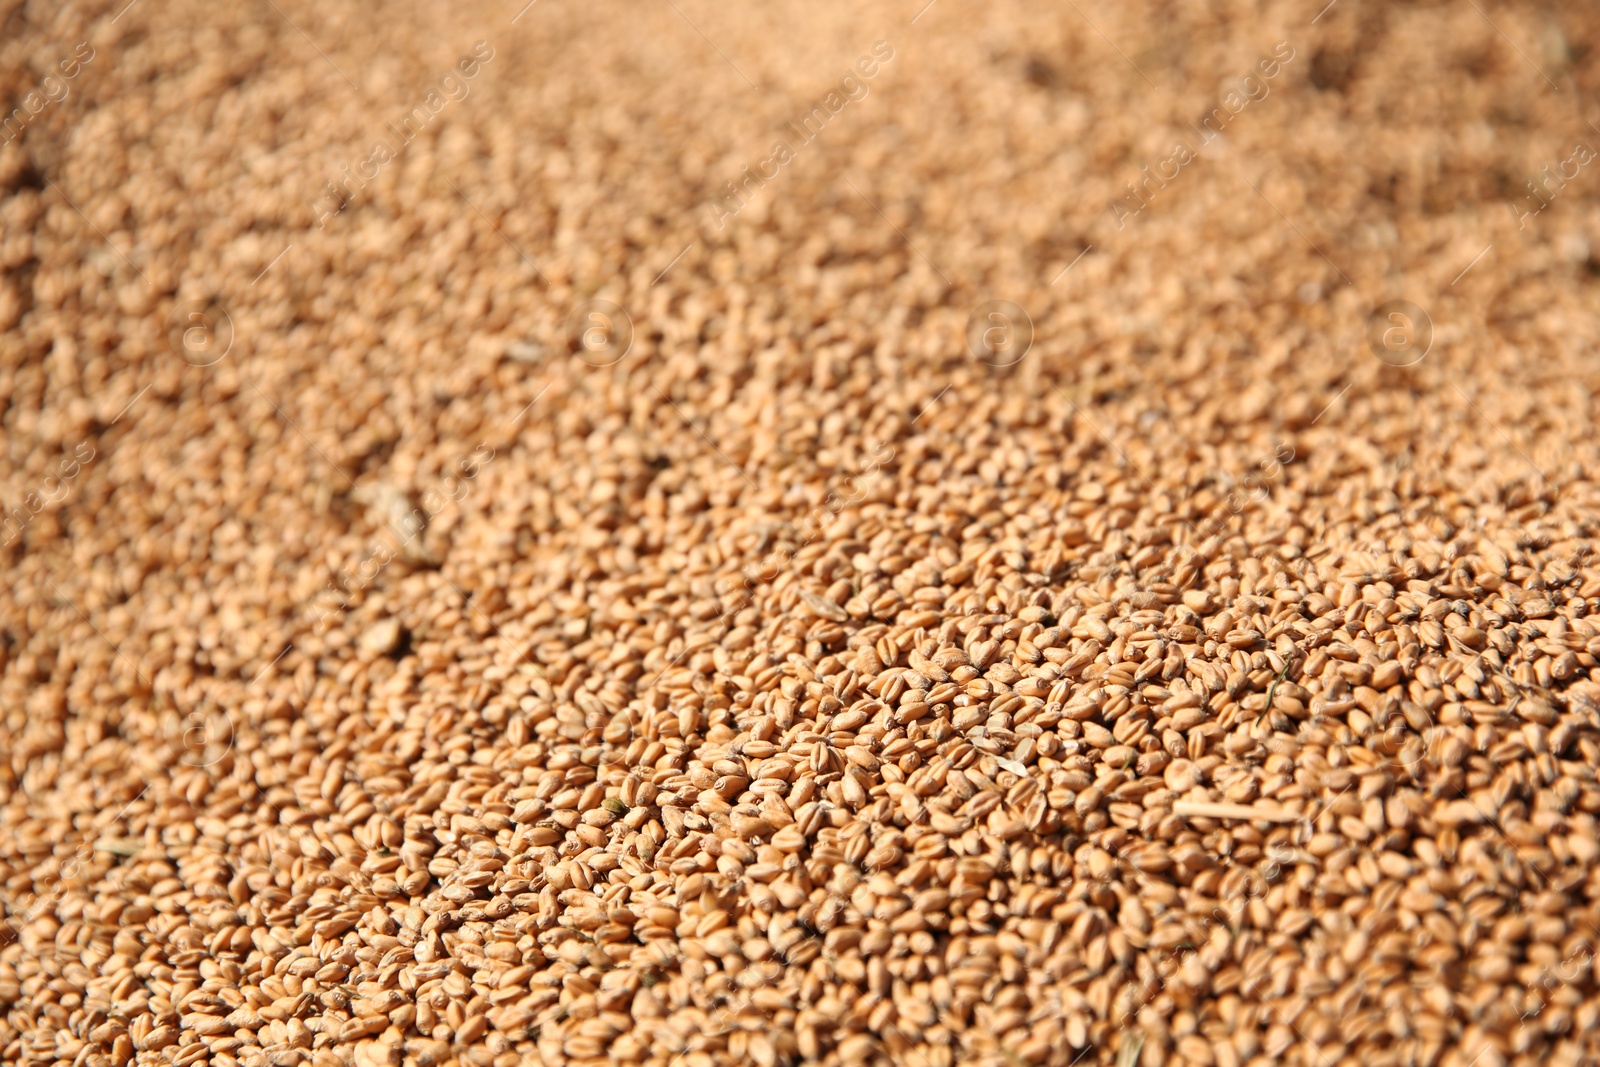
<point>404,666</point>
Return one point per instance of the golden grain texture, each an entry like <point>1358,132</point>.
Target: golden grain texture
<point>415,686</point>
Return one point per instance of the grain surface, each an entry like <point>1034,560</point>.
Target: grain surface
<point>688,535</point>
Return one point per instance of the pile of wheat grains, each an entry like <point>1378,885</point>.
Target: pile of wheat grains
<point>997,584</point>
